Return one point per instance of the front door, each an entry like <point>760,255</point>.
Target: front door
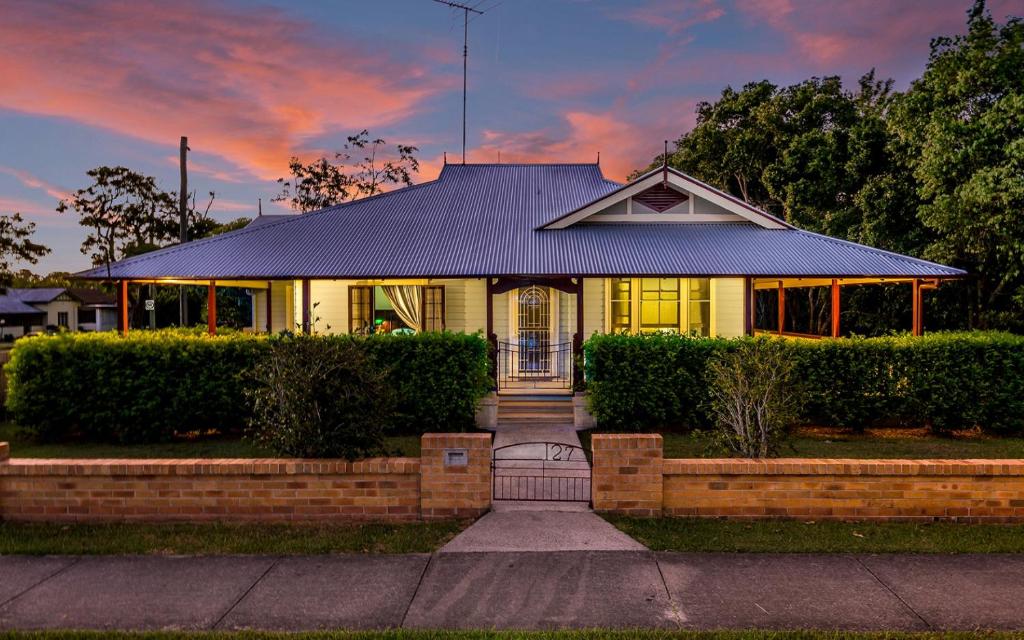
<point>534,315</point>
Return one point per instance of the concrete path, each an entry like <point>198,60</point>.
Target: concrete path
<point>515,590</point>
<point>552,529</point>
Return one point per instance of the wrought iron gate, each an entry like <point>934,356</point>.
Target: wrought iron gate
<point>535,364</point>
<point>550,471</point>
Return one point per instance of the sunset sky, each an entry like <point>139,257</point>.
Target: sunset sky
<point>84,84</point>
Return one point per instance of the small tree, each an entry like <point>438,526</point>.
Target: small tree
<point>320,397</point>
<point>753,400</point>
<point>323,183</point>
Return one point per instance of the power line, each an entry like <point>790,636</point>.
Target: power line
<point>466,10</point>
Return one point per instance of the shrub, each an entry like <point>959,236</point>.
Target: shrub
<point>316,397</point>
<point>753,398</point>
<point>945,381</point>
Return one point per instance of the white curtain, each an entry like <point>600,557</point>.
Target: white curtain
<point>407,301</point>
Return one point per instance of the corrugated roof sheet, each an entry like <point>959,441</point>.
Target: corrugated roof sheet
<point>478,220</point>
<point>36,295</point>
<point>10,305</point>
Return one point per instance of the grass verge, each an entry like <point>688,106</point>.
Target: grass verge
<point>23,446</point>
<point>789,536</point>
<point>405,634</point>
<point>222,539</point>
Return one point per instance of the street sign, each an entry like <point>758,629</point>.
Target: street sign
<point>150,305</point>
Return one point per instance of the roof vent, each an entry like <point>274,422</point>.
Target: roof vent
<point>660,198</point>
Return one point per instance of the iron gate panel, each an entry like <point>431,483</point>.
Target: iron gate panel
<point>535,362</point>
<point>560,472</point>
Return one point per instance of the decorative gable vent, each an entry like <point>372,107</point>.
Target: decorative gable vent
<point>660,198</point>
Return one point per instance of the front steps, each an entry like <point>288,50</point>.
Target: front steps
<point>535,409</point>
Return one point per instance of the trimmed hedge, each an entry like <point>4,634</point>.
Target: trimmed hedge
<point>946,381</point>
<point>152,385</point>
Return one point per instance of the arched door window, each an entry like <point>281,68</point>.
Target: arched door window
<point>534,329</point>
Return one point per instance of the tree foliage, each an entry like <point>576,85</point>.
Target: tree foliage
<point>324,182</point>
<point>936,171</point>
<point>16,245</point>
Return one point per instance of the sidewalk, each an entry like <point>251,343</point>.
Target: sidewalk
<point>532,590</point>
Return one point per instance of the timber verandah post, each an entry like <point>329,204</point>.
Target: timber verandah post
<point>917,327</point>
<point>211,307</point>
<point>835,308</point>
<point>122,307</point>
<point>577,340</point>
<point>782,308</point>
<point>306,328</point>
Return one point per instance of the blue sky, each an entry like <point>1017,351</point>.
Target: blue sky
<point>84,84</point>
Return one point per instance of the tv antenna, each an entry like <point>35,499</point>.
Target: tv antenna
<point>466,10</point>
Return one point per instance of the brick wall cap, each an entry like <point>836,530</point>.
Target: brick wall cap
<point>206,467</point>
<point>842,466</point>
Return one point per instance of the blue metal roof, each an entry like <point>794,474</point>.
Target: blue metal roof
<point>481,220</point>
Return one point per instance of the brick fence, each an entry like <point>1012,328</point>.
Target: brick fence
<point>631,477</point>
<point>381,489</point>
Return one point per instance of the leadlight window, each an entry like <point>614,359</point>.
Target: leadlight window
<point>62,319</point>
<point>433,308</point>
<point>700,306</point>
<point>659,305</point>
<point>360,310</point>
<point>621,305</point>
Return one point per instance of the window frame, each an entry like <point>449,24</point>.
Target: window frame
<point>635,291</point>
<point>426,289</point>
<point>366,290</point>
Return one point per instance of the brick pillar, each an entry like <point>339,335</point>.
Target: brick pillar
<point>455,490</point>
<point>627,475</point>
<point>5,452</point>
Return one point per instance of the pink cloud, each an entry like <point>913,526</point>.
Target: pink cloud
<point>251,85</point>
<point>29,180</point>
<point>861,33</point>
<point>626,142</point>
<point>671,16</point>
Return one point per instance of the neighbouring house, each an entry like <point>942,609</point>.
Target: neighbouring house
<point>33,310</point>
<point>535,256</point>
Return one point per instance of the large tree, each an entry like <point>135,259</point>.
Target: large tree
<point>325,182</point>
<point>962,127</point>
<point>16,245</point>
<point>125,212</point>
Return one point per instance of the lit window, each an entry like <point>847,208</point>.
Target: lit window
<point>659,304</point>
<point>621,305</point>
<point>700,306</point>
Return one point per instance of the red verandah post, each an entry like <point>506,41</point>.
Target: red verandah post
<point>122,307</point>
<point>211,307</point>
<point>835,308</point>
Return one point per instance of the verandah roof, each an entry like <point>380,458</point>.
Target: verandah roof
<point>481,220</point>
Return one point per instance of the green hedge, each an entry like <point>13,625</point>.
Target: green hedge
<point>945,381</point>
<point>150,386</point>
<point>438,378</point>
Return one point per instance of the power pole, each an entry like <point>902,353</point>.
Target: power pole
<point>466,10</point>
<point>183,225</point>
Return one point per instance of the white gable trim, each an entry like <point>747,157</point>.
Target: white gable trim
<point>679,181</point>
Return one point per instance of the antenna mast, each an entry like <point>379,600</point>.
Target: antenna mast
<point>465,57</point>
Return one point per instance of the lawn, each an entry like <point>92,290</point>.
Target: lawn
<point>444,634</point>
<point>220,538</point>
<point>23,446</point>
<point>875,443</point>
<point>789,536</point>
